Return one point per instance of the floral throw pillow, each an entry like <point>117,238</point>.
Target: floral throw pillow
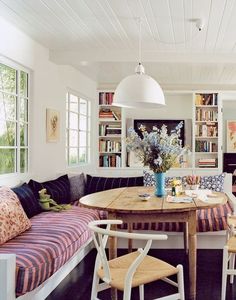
<point>13,219</point>
<point>215,183</point>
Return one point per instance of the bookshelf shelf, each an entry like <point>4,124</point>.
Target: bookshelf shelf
<point>206,135</point>
<point>110,132</point>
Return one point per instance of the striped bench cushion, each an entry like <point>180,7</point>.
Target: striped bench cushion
<point>51,241</point>
<point>211,219</point>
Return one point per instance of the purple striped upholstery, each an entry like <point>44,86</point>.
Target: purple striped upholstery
<point>51,241</point>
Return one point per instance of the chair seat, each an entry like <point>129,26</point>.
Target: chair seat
<point>149,270</point>
<point>232,244</point>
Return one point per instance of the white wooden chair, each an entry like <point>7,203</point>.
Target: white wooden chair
<point>228,266</point>
<point>132,269</point>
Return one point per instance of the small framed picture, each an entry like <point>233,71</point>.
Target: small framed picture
<point>52,125</point>
<point>231,135</point>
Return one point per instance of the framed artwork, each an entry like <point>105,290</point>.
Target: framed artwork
<point>231,135</point>
<point>52,125</point>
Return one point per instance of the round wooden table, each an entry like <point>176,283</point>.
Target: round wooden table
<point>126,205</point>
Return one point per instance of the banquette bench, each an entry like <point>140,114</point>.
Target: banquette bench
<point>34,262</point>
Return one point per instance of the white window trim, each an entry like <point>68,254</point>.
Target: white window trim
<point>19,67</point>
<point>88,132</point>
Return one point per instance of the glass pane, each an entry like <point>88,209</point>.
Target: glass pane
<point>23,134</point>
<point>73,121</point>
<point>73,103</point>
<point>82,122</point>
<point>23,160</point>
<point>83,106</point>
<point>7,161</point>
<point>7,79</point>
<point>73,138</point>
<point>23,110</point>
<point>83,139</point>
<point>7,133</point>
<point>82,155</point>
<point>73,156</point>
<point>7,107</point>
<point>23,84</point>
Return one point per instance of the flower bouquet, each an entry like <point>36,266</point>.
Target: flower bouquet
<point>158,150</point>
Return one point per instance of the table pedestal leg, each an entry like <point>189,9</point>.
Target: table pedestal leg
<point>192,255</point>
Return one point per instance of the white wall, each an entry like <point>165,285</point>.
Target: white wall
<point>229,113</point>
<point>49,86</point>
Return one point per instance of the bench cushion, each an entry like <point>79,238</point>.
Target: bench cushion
<point>98,184</point>
<point>52,240</point>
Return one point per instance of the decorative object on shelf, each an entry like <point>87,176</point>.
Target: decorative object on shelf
<point>52,125</point>
<point>231,135</point>
<point>139,90</point>
<point>158,150</point>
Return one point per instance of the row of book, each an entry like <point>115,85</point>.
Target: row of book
<point>109,146</point>
<point>106,98</point>
<point>206,130</point>
<point>206,99</point>
<point>205,146</point>
<point>206,115</point>
<point>207,163</point>
<point>110,161</point>
<point>107,114</point>
<point>109,130</point>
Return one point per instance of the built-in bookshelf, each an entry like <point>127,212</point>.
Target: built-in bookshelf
<point>206,130</point>
<point>109,131</point>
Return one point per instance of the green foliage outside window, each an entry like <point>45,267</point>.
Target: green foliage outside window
<point>11,121</point>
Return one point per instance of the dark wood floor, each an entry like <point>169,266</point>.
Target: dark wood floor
<point>77,285</point>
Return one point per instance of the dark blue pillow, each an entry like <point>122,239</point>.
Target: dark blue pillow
<point>28,200</point>
<point>58,189</point>
<point>98,184</point>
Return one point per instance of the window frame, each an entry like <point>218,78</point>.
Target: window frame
<point>17,147</point>
<point>87,147</point>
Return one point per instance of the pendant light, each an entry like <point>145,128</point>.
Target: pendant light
<point>139,90</point>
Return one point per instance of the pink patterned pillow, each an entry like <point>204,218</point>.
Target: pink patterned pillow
<point>13,219</point>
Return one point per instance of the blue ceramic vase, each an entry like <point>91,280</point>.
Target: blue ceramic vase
<point>160,184</point>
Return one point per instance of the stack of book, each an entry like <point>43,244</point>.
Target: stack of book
<point>205,146</point>
<point>207,163</point>
<point>106,114</point>
<point>206,99</point>
<point>110,161</point>
<point>112,129</point>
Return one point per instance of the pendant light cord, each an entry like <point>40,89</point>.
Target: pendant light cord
<point>140,43</point>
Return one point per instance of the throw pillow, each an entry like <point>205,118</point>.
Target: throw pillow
<point>13,219</point>
<point>77,187</point>
<point>58,189</point>
<point>28,200</point>
<point>149,180</point>
<point>215,183</point>
<point>98,184</point>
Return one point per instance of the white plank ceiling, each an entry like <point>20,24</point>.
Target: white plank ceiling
<point>100,38</point>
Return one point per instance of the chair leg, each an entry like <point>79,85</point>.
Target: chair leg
<point>141,292</point>
<point>95,285</point>
<point>185,233</point>
<point>231,266</point>
<point>180,280</point>
<point>224,272</point>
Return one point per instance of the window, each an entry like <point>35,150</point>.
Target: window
<point>14,97</point>
<point>77,130</point>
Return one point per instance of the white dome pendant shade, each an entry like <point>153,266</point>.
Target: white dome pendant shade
<point>139,91</point>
